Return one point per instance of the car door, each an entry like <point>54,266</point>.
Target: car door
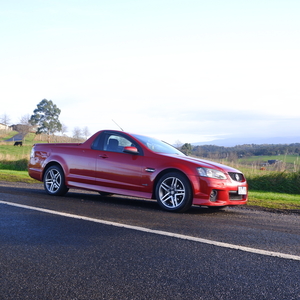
<point>115,168</point>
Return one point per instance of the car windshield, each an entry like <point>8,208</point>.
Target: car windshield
<point>157,145</point>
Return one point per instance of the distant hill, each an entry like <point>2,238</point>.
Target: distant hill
<point>231,142</point>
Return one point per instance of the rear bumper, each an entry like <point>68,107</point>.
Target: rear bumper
<point>35,173</point>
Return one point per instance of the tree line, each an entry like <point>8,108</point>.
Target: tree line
<point>44,120</point>
<point>239,151</point>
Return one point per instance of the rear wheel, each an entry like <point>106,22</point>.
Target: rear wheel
<point>54,181</point>
<point>173,192</point>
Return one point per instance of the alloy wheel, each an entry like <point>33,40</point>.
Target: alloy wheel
<point>172,192</point>
<point>53,181</point>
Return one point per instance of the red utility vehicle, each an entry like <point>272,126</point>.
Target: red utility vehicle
<point>115,162</point>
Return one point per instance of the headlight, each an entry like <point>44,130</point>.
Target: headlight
<point>212,173</point>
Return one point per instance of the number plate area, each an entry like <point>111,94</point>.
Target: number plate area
<point>242,190</point>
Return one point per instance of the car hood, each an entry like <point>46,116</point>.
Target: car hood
<point>205,163</point>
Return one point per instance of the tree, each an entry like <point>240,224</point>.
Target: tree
<point>64,129</point>
<point>85,132</point>
<point>187,148</point>
<point>24,127</point>
<point>5,119</point>
<point>77,134</point>
<point>45,117</point>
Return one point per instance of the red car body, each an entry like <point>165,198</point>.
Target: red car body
<point>136,166</point>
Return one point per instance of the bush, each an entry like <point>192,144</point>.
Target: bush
<point>17,165</point>
<point>278,182</point>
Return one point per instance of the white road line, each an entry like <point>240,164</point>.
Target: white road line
<point>159,232</point>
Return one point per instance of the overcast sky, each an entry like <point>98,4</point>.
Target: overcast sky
<point>189,70</point>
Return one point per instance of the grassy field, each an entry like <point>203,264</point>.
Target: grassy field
<point>284,158</point>
<point>268,188</point>
<point>289,163</point>
<point>15,157</point>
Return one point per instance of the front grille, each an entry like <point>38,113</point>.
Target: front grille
<point>236,176</point>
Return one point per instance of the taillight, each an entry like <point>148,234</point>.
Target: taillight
<point>32,153</point>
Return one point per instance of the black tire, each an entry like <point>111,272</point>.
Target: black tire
<point>173,192</point>
<point>54,181</point>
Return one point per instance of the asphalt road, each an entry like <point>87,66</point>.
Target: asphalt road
<point>83,246</point>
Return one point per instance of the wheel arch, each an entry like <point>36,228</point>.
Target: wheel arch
<point>50,164</point>
<point>165,171</point>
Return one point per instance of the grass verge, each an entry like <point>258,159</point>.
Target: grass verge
<point>16,176</point>
<point>274,200</point>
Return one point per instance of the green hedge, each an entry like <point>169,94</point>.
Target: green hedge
<point>17,165</point>
<point>278,182</point>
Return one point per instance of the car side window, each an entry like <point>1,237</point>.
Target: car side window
<point>116,143</point>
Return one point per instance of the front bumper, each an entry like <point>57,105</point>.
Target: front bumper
<point>216,192</point>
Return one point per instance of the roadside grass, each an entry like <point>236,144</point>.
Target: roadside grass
<point>274,200</point>
<point>16,176</point>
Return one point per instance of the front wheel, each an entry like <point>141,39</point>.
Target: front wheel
<point>173,192</point>
<point>54,181</point>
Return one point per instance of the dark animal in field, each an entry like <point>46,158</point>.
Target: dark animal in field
<point>18,144</point>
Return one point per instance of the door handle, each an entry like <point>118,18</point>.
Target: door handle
<point>103,156</point>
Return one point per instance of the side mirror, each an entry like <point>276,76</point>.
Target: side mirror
<point>131,150</point>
